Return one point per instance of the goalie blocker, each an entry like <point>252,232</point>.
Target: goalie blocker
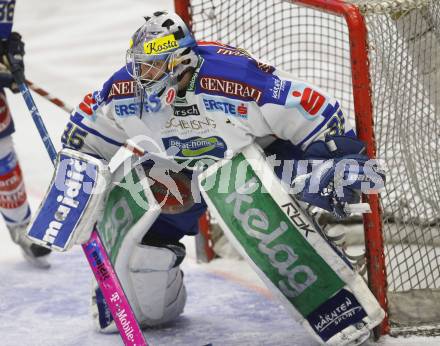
<point>72,203</point>
<point>288,250</point>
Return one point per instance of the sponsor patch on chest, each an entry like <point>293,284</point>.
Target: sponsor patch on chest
<point>227,106</point>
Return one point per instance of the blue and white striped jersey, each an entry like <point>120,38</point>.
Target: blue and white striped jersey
<point>232,100</point>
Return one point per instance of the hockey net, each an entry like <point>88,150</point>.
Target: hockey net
<point>315,41</point>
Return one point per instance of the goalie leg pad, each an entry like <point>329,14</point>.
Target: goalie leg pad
<point>158,283</point>
<point>154,288</point>
<point>289,251</point>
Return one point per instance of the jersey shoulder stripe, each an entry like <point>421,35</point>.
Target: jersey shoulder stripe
<point>77,118</point>
<point>211,43</point>
<point>231,72</point>
<point>119,86</point>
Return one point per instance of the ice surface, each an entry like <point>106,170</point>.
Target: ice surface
<point>72,47</point>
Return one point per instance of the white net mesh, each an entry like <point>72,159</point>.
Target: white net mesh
<point>404,55</point>
<point>405,69</point>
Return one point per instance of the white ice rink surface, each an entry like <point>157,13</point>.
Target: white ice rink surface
<point>72,47</point>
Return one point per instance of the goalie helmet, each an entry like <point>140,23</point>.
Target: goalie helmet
<point>160,52</point>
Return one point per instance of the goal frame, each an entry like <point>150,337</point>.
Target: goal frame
<point>363,109</point>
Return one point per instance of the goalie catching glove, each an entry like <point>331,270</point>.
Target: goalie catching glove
<point>12,64</point>
<point>342,172</point>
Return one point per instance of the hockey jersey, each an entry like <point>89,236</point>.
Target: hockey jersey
<point>231,100</point>
<point>7,8</point>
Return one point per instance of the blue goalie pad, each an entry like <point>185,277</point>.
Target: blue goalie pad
<point>73,201</point>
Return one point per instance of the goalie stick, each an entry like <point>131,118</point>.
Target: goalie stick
<point>95,252</point>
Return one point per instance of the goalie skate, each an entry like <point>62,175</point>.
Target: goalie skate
<point>34,254</point>
<point>361,339</point>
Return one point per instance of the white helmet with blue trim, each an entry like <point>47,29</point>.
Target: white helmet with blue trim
<point>160,52</point>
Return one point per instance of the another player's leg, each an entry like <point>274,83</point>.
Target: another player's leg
<point>14,205</point>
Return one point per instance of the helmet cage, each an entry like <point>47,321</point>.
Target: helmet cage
<point>152,73</point>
